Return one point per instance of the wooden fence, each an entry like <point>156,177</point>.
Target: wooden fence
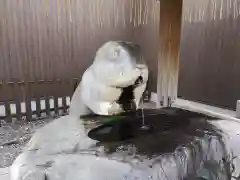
<point>46,45</point>
<point>210,56</point>
<point>35,99</point>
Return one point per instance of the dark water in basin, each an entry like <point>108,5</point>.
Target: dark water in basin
<point>129,125</point>
<point>178,145</point>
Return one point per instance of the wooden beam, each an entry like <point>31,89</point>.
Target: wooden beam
<point>168,58</point>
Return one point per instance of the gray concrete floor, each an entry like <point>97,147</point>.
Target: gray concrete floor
<point>14,136</point>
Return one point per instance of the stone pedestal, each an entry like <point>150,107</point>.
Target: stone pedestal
<point>62,151</point>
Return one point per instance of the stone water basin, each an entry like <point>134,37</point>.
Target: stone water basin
<point>177,145</point>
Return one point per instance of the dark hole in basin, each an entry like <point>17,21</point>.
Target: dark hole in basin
<point>128,125</point>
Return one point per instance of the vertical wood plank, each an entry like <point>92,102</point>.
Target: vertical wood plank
<point>168,60</point>
<point>7,91</point>
<point>37,96</point>
<point>28,109</point>
<point>28,101</point>
<point>64,102</point>
<point>57,93</point>
<point>47,91</point>
<point>1,103</point>
<point>64,94</point>
<point>56,105</point>
<point>38,107</point>
<point>8,111</point>
<point>18,101</point>
<point>47,105</point>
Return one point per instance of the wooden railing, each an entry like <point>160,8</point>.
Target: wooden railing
<point>36,99</point>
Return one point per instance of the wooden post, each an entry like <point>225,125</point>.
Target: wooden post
<point>168,58</point>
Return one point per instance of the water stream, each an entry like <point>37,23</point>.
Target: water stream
<point>144,126</point>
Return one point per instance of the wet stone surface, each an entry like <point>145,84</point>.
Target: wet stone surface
<point>14,136</point>
<point>178,144</point>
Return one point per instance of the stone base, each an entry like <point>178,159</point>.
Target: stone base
<point>62,151</point>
